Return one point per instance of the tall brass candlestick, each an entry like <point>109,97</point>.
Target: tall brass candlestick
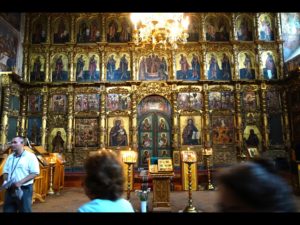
<point>128,180</point>
<point>210,186</point>
<point>190,208</point>
<point>51,191</point>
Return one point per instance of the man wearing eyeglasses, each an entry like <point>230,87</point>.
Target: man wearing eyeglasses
<point>19,172</point>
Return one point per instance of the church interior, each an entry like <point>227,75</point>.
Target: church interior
<point>176,108</point>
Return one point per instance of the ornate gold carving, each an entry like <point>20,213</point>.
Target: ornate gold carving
<point>151,88</point>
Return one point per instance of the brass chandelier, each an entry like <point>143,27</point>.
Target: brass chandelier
<point>163,29</point>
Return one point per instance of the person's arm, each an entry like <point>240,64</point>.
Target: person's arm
<point>25,179</point>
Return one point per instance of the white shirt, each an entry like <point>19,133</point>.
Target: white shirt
<point>20,167</point>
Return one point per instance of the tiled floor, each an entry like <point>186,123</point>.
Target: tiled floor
<point>71,198</point>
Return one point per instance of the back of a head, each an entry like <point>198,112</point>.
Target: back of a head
<point>257,187</point>
<point>104,176</point>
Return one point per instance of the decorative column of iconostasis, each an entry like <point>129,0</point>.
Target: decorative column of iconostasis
<point>233,22</point>
<point>265,130</point>
<point>23,113</point>
<point>173,68</point>
<point>103,129</point>
<point>175,118</point>
<point>286,133</point>
<point>6,81</point>
<point>279,45</point>
<point>134,118</point>
<point>73,29</point>
<point>202,30</point>
<point>70,129</point>
<point>206,121</point>
<point>238,116</point>
<point>44,115</point>
<point>103,22</point>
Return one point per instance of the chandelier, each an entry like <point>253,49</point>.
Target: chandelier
<point>164,29</point>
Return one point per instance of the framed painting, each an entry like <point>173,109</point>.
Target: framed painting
<point>60,68</point>
<point>88,31</point>
<point>87,68</point>
<point>34,126</point>
<point>176,158</point>
<point>266,27</point>
<point>37,71</point>
<point>244,28</point>
<point>118,131</point>
<point>87,102</point>
<point>34,103</point>
<point>269,62</point>
<point>249,101</point>
<point>190,130</point>
<point>222,130</point>
<point>193,29</point>
<point>119,30</point>
<point>187,66</point>
<point>246,62</point>
<point>217,28</point>
<point>221,100</point>
<point>218,66</point>
<point>118,67</point>
<point>9,47</point>
<point>86,132</point>
<point>58,103</point>
<point>153,67</point>
<point>190,100</point>
<point>61,30</point>
<point>276,130</point>
<point>118,102</point>
<point>39,32</point>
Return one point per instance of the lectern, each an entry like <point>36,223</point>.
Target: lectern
<point>162,184</point>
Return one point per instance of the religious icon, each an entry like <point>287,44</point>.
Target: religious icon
<point>118,135</point>
<point>191,134</point>
<point>58,143</point>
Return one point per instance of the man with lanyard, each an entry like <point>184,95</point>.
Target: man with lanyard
<point>20,168</point>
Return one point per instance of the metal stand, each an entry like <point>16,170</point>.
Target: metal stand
<point>210,186</point>
<point>190,208</point>
<point>128,179</point>
<point>51,191</point>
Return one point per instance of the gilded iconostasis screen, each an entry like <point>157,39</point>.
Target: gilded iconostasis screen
<point>84,77</point>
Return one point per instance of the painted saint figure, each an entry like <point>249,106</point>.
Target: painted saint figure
<point>92,68</point>
<point>79,68</point>
<point>226,67</point>
<point>213,68</point>
<point>195,67</point>
<point>190,134</point>
<point>146,125</point>
<point>123,68</point>
<point>118,135</point>
<point>111,66</point>
<point>270,67</point>
<point>58,143</point>
<point>37,76</point>
<point>252,139</point>
<point>162,124</point>
<point>59,66</point>
<point>248,67</point>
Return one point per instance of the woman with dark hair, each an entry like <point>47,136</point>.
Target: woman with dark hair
<point>104,184</point>
<point>254,186</point>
